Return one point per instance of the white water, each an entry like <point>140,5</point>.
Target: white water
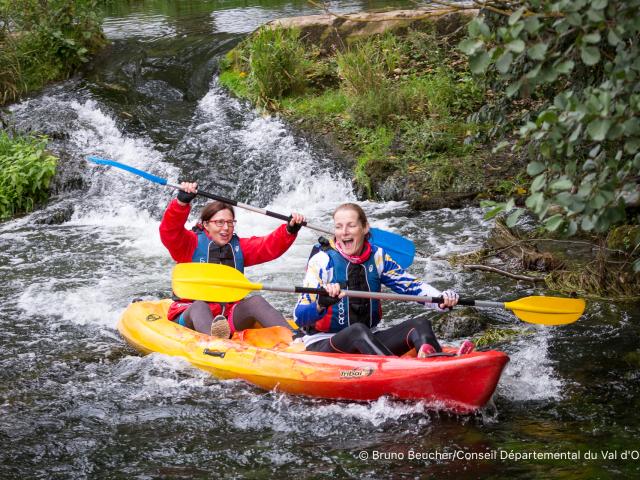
<point>112,246</point>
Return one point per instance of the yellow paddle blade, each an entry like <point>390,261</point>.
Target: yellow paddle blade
<point>547,310</point>
<point>210,282</point>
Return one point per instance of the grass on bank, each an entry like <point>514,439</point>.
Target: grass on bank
<point>43,41</point>
<point>394,102</point>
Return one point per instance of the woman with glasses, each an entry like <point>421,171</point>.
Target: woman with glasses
<point>338,324</point>
<point>213,240</point>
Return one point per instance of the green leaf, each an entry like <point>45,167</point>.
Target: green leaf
<point>613,38</point>
<point>589,55</point>
<point>598,128</point>
<point>538,183</point>
<point>470,46</point>
<point>561,184</point>
<point>595,16</point>
<point>535,168</point>
<point>532,24</point>
<point>565,67</point>
<point>516,46</point>
<point>492,213</point>
<point>632,145</point>
<point>548,116</point>
<point>504,62</point>
<point>479,62</point>
<point>533,73</point>
<point>592,37</point>
<point>553,223</point>
<point>500,146</point>
<point>515,16</point>
<point>599,4</point>
<point>513,218</point>
<point>631,127</point>
<point>538,51</point>
<point>513,88</point>
<point>478,28</point>
<point>535,201</point>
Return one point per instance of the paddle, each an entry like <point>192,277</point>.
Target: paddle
<point>219,283</point>
<point>401,249</point>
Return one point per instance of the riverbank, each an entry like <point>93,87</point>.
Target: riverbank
<point>389,90</point>
<point>45,41</point>
<point>392,92</point>
<point>40,43</point>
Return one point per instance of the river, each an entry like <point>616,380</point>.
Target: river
<point>77,402</point>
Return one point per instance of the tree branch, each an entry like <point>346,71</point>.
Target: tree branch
<point>503,272</point>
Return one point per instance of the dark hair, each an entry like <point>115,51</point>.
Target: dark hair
<point>362,217</point>
<point>212,208</point>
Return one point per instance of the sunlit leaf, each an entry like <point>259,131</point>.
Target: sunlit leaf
<point>597,129</point>
<point>537,51</point>
<point>590,55</point>
<point>479,62</point>
<point>553,223</point>
<point>516,46</point>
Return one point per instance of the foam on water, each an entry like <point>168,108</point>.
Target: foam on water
<point>530,375</point>
<point>283,413</point>
<point>289,175</point>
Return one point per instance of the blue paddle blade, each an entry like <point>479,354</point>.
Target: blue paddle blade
<point>140,173</point>
<point>401,249</point>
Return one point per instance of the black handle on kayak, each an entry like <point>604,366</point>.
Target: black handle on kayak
<point>469,302</point>
<point>317,291</point>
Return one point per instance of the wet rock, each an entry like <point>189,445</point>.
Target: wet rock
<point>459,323</point>
<point>55,215</point>
<point>335,32</point>
<point>70,174</point>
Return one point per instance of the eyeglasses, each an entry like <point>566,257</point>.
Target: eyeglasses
<point>220,223</point>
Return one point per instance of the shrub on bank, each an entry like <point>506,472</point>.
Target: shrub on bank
<point>376,94</point>
<point>44,40</point>
<point>269,67</point>
<point>27,169</point>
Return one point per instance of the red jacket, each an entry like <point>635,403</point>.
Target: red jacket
<point>181,244</point>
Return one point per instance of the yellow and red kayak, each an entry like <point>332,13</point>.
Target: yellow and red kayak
<point>267,358</point>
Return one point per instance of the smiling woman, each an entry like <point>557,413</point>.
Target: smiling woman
<point>338,324</point>
<point>213,240</point>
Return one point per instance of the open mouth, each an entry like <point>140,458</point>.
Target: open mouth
<point>348,243</point>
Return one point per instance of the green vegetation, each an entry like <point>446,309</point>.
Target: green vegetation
<point>26,169</point>
<point>494,336</point>
<point>44,40</point>
<point>272,65</point>
<point>567,74</point>
<point>392,101</point>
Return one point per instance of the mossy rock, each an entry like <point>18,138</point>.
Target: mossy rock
<point>459,323</point>
<point>633,359</point>
<point>624,237</point>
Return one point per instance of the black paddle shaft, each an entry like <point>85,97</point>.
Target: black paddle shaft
<point>235,203</point>
<point>350,293</point>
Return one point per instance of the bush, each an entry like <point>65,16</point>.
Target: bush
<point>577,63</point>
<point>44,40</point>
<point>26,170</point>
<point>277,63</point>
